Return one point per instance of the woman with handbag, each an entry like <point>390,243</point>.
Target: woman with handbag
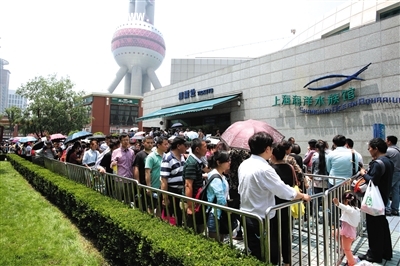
<point>218,192</point>
<point>288,176</point>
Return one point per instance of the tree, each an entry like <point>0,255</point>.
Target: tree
<point>53,106</point>
<point>14,115</point>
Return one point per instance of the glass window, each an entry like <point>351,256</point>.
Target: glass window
<point>123,115</point>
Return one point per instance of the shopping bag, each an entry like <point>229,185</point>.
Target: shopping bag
<point>171,219</point>
<point>297,209</point>
<point>372,202</point>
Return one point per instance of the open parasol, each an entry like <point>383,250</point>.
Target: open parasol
<point>237,135</point>
<point>77,136</point>
<point>57,136</point>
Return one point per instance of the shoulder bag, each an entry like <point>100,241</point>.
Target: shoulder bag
<point>298,209</point>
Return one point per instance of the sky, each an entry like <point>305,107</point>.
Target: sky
<point>73,38</point>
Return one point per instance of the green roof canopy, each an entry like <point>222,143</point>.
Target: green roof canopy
<point>188,108</point>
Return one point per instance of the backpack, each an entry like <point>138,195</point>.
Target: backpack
<point>202,192</point>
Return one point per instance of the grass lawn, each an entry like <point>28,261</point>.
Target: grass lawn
<point>33,231</point>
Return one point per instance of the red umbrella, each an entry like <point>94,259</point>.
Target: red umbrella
<point>57,136</point>
<point>238,134</point>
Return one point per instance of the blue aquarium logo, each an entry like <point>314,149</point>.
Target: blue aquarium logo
<point>338,84</point>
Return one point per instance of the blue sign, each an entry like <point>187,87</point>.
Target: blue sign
<point>379,131</point>
<point>340,83</point>
<point>192,93</point>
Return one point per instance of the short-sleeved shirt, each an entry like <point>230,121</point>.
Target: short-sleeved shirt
<point>339,163</point>
<point>90,156</point>
<point>28,151</point>
<point>172,168</point>
<point>153,162</point>
<point>193,171</point>
<point>139,162</point>
<point>258,186</point>
<point>124,159</point>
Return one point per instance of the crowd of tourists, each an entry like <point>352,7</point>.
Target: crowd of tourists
<point>250,180</point>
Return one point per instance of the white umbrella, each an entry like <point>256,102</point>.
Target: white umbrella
<point>192,135</point>
<point>140,133</point>
<point>213,141</point>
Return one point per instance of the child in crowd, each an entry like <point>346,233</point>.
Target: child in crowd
<point>350,219</point>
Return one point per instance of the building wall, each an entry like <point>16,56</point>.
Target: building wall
<point>16,100</point>
<point>287,71</point>
<point>4,83</point>
<point>186,68</point>
<point>101,114</point>
<point>351,13</point>
<point>100,104</point>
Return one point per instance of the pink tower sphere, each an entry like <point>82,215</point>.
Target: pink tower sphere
<point>138,43</point>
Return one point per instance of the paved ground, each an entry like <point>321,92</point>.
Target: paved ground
<point>312,247</point>
<point>360,246</point>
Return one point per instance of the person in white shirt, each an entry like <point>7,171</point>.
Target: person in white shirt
<point>258,186</point>
<point>28,152</point>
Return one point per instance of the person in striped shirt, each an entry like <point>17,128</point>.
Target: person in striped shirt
<point>171,176</point>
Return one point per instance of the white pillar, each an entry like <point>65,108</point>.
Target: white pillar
<point>136,81</point>
<point>153,78</point>
<point>127,87</point>
<point>118,77</point>
<point>146,86</point>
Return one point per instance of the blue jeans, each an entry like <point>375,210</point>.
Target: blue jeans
<point>395,191</point>
<point>211,223</point>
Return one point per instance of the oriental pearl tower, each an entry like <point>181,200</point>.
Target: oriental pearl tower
<point>139,49</point>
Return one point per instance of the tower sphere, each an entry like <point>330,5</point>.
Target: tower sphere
<point>138,43</point>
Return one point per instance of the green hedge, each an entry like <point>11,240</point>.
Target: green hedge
<point>126,236</point>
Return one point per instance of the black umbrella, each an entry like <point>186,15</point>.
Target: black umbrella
<point>177,125</point>
<point>38,145</point>
<point>77,136</point>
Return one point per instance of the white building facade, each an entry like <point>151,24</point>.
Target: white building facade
<point>272,88</point>
<point>16,100</point>
<point>4,83</point>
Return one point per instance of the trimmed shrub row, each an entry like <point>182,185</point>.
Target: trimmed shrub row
<point>126,236</point>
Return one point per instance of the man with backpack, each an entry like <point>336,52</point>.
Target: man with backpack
<point>193,179</point>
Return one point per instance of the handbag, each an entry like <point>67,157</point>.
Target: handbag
<point>298,209</point>
<point>359,186</point>
<point>372,203</point>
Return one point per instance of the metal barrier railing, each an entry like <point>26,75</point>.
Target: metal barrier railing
<point>318,236</point>
<point>148,199</point>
